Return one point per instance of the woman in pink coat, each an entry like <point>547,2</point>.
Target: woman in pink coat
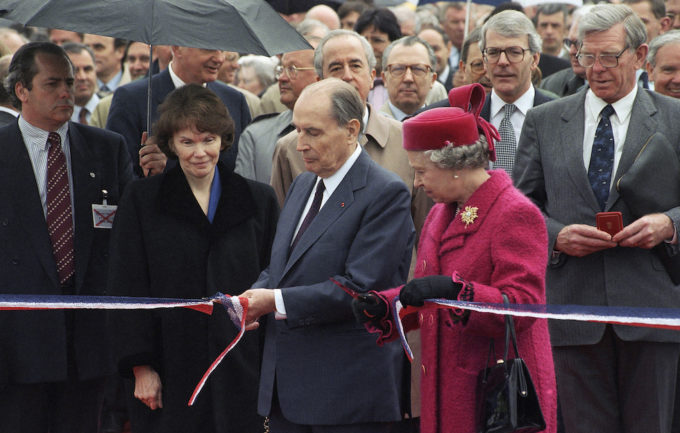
<point>482,239</point>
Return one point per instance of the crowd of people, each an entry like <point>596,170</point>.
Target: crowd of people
<point>449,150</point>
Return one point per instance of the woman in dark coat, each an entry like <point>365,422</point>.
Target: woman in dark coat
<point>195,230</point>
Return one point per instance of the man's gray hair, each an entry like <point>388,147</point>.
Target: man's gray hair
<point>452,157</point>
<point>669,38</point>
<point>346,103</point>
<point>308,25</point>
<point>318,52</point>
<point>605,16</point>
<point>512,24</point>
<point>409,41</point>
<point>263,67</point>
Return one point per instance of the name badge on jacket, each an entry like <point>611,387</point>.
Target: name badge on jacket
<point>103,214</point>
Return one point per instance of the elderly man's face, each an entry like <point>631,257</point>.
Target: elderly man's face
<point>573,51</point>
<point>197,65</point>
<point>510,79</point>
<point>344,58</point>
<point>474,68</point>
<point>85,75</point>
<point>229,67</point>
<point>324,145</point>
<point>666,73</point>
<point>441,50</point>
<point>48,104</point>
<point>291,83</point>
<point>138,60</point>
<point>612,84</point>
<point>408,91</point>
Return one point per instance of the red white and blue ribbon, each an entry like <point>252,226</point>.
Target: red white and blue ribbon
<point>664,318</point>
<point>236,308</point>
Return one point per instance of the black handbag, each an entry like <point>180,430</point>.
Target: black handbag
<point>506,397</point>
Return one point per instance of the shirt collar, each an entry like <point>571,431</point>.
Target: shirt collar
<point>333,181</point>
<point>90,106</point>
<point>176,80</point>
<point>524,103</point>
<point>112,84</point>
<point>397,113</point>
<point>34,136</point>
<point>623,107</point>
<point>445,73</point>
<point>11,111</point>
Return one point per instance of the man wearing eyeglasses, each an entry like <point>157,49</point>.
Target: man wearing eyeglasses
<point>511,50</point>
<point>569,81</point>
<point>408,73</point>
<point>574,155</point>
<point>257,143</point>
<point>471,63</point>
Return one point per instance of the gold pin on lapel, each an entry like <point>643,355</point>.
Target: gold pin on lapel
<point>469,215</point>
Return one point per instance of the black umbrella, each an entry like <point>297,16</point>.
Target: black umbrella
<point>249,26</point>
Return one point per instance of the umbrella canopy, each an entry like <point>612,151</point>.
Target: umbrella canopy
<point>247,26</point>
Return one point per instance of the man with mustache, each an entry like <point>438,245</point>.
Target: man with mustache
<point>52,171</point>
<point>128,113</point>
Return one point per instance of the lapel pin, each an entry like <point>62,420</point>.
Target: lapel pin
<point>92,175</point>
<point>469,215</point>
<point>342,204</point>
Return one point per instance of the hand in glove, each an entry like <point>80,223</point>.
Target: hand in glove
<point>434,286</point>
<point>369,307</point>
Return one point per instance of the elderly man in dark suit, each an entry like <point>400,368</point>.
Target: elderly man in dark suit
<point>346,219</point>
<point>52,171</point>
<point>128,112</point>
<point>574,154</point>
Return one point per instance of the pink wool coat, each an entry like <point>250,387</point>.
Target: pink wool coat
<point>504,250</point>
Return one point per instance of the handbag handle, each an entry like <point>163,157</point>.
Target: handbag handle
<point>509,331</point>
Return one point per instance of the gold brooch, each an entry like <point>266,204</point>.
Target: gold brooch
<point>469,215</point>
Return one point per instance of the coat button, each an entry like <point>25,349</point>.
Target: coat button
<point>15,261</point>
<point>5,222</point>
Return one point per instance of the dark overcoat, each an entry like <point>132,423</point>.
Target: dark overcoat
<point>164,246</point>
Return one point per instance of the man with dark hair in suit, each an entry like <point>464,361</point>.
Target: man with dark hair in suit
<point>347,220</point>
<point>52,171</point>
<point>128,112</point>
<point>573,156</point>
<point>109,54</point>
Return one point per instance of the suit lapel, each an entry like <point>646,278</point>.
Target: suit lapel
<point>86,191</point>
<point>338,203</point>
<point>26,199</point>
<point>641,127</point>
<point>486,109</point>
<point>571,133</point>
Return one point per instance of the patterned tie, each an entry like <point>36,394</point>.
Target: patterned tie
<point>507,147</point>
<point>59,218</point>
<point>602,158</point>
<point>82,116</point>
<point>311,214</point>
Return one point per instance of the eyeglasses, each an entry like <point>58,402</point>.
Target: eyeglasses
<point>606,60</point>
<point>513,54</point>
<point>568,43</point>
<point>477,66</point>
<point>418,70</point>
<point>291,71</point>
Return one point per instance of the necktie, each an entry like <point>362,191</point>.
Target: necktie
<point>82,116</point>
<point>644,80</point>
<point>507,147</point>
<point>59,218</point>
<point>311,214</point>
<point>602,158</point>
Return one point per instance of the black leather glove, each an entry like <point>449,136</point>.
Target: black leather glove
<point>369,307</point>
<point>434,286</point>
